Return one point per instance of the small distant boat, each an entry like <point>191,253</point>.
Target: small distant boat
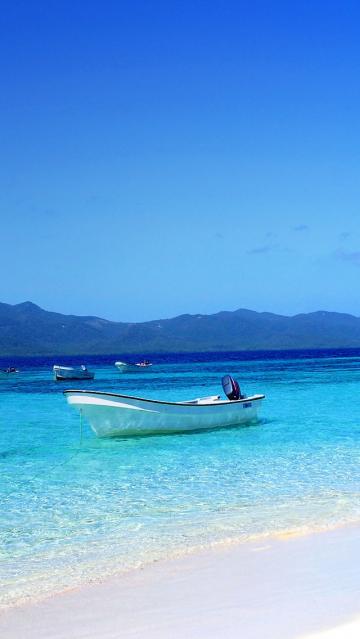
<point>5,372</point>
<point>127,367</point>
<point>113,415</point>
<point>70,372</point>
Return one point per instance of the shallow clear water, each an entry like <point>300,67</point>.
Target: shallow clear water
<point>72,511</point>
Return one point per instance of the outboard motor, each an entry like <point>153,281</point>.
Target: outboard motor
<point>231,388</point>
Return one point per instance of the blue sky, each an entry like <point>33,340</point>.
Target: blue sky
<point>171,157</point>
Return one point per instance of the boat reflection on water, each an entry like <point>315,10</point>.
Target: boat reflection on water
<point>7,372</point>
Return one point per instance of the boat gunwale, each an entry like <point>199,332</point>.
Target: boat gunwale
<point>252,398</point>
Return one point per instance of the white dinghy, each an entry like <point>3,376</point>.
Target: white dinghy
<point>113,415</point>
<point>72,372</point>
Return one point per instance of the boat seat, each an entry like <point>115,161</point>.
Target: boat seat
<point>203,400</point>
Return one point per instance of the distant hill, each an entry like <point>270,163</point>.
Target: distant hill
<point>27,329</point>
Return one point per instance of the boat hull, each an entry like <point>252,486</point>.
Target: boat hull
<point>111,415</point>
<point>62,373</point>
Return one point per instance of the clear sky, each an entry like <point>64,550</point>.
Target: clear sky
<point>168,157</point>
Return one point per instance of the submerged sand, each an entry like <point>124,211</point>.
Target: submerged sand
<point>269,589</point>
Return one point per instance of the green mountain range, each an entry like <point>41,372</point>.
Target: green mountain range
<point>27,329</point>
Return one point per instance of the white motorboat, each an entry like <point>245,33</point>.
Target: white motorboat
<point>127,367</point>
<point>72,372</point>
<point>144,364</point>
<point>111,415</point>
<point>6,372</point>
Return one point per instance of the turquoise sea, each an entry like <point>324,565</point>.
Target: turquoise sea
<point>75,508</point>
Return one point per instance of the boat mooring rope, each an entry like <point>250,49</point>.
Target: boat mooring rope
<point>66,461</point>
<point>50,469</point>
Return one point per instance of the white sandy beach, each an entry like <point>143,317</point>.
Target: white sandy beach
<point>347,631</point>
<point>273,588</point>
